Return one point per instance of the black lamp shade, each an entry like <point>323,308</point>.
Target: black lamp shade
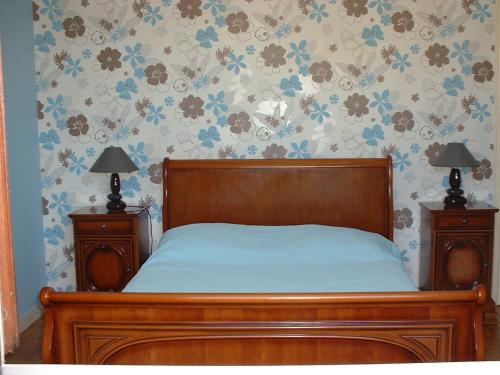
<point>113,160</point>
<point>455,155</point>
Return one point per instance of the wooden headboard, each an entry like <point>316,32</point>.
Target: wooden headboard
<point>353,193</point>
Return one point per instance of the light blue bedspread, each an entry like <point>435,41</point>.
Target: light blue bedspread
<point>227,258</point>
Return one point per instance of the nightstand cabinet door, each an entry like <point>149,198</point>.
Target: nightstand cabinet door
<point>105,265</point>
<point>463,260</point>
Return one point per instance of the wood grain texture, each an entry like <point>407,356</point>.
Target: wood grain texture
<point>110,247</point>
<point>30,349</point>
<point>7,273</point>
<point>354,193</point>
<point>456,249</point>
<point>263,343</point>
<point>30,346</point>
<point>263,328</point>
<point>140,328</point>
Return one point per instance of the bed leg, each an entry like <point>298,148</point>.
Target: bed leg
<point>479,348</point>
<point>48,340</point>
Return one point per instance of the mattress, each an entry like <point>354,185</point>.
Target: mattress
<point>230,258</point>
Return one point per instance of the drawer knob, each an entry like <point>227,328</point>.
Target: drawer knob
<point>104,226</point>
<point>464,221</point>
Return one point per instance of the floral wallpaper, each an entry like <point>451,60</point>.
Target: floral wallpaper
<point>259,79</point>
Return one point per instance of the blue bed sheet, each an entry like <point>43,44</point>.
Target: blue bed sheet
<point>230,258</point>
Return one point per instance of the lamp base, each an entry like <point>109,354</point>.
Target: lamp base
<point>455,196</point>
<point>115,203</point>
<point>455,200</point>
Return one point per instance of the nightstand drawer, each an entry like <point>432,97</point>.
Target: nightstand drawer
<point>464,221</point>
<point>103,227</point>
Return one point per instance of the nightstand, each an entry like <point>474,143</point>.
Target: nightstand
<point>456,249</point>
<point>110,247</point>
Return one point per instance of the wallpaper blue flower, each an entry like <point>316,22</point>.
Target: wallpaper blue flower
<point>259,79</point>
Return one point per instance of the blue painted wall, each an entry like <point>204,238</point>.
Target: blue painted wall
<point>16,38</point>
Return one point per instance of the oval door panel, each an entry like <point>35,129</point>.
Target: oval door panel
<point>463,264</point>
<point>110,259</point>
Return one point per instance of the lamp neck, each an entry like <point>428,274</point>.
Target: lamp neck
<point>115,183</point>
<point>455,178</point>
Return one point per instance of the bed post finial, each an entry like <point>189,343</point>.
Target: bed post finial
<point>45,295</point>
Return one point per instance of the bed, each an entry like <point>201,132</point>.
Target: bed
<point>235,326</point>
<point>307,258</point>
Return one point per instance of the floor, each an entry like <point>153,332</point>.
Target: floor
<point>492,337</point>
<point>31,343</point>
<point>29,350</point>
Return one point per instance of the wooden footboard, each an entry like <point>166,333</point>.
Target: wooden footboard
<point>236,329</point>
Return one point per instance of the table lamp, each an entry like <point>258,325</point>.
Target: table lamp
<point>455,155</point>
<point>114,160</point>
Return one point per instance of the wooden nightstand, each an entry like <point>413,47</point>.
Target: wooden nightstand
<point>456,249</point>
<point>110,247</point>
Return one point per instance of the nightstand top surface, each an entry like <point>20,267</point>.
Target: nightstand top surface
<point>475,207</point>
<point>101,210</point>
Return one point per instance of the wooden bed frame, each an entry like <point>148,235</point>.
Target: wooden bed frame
<point>264,328</point>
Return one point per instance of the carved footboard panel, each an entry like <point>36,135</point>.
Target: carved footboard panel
<point>263,329</point>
